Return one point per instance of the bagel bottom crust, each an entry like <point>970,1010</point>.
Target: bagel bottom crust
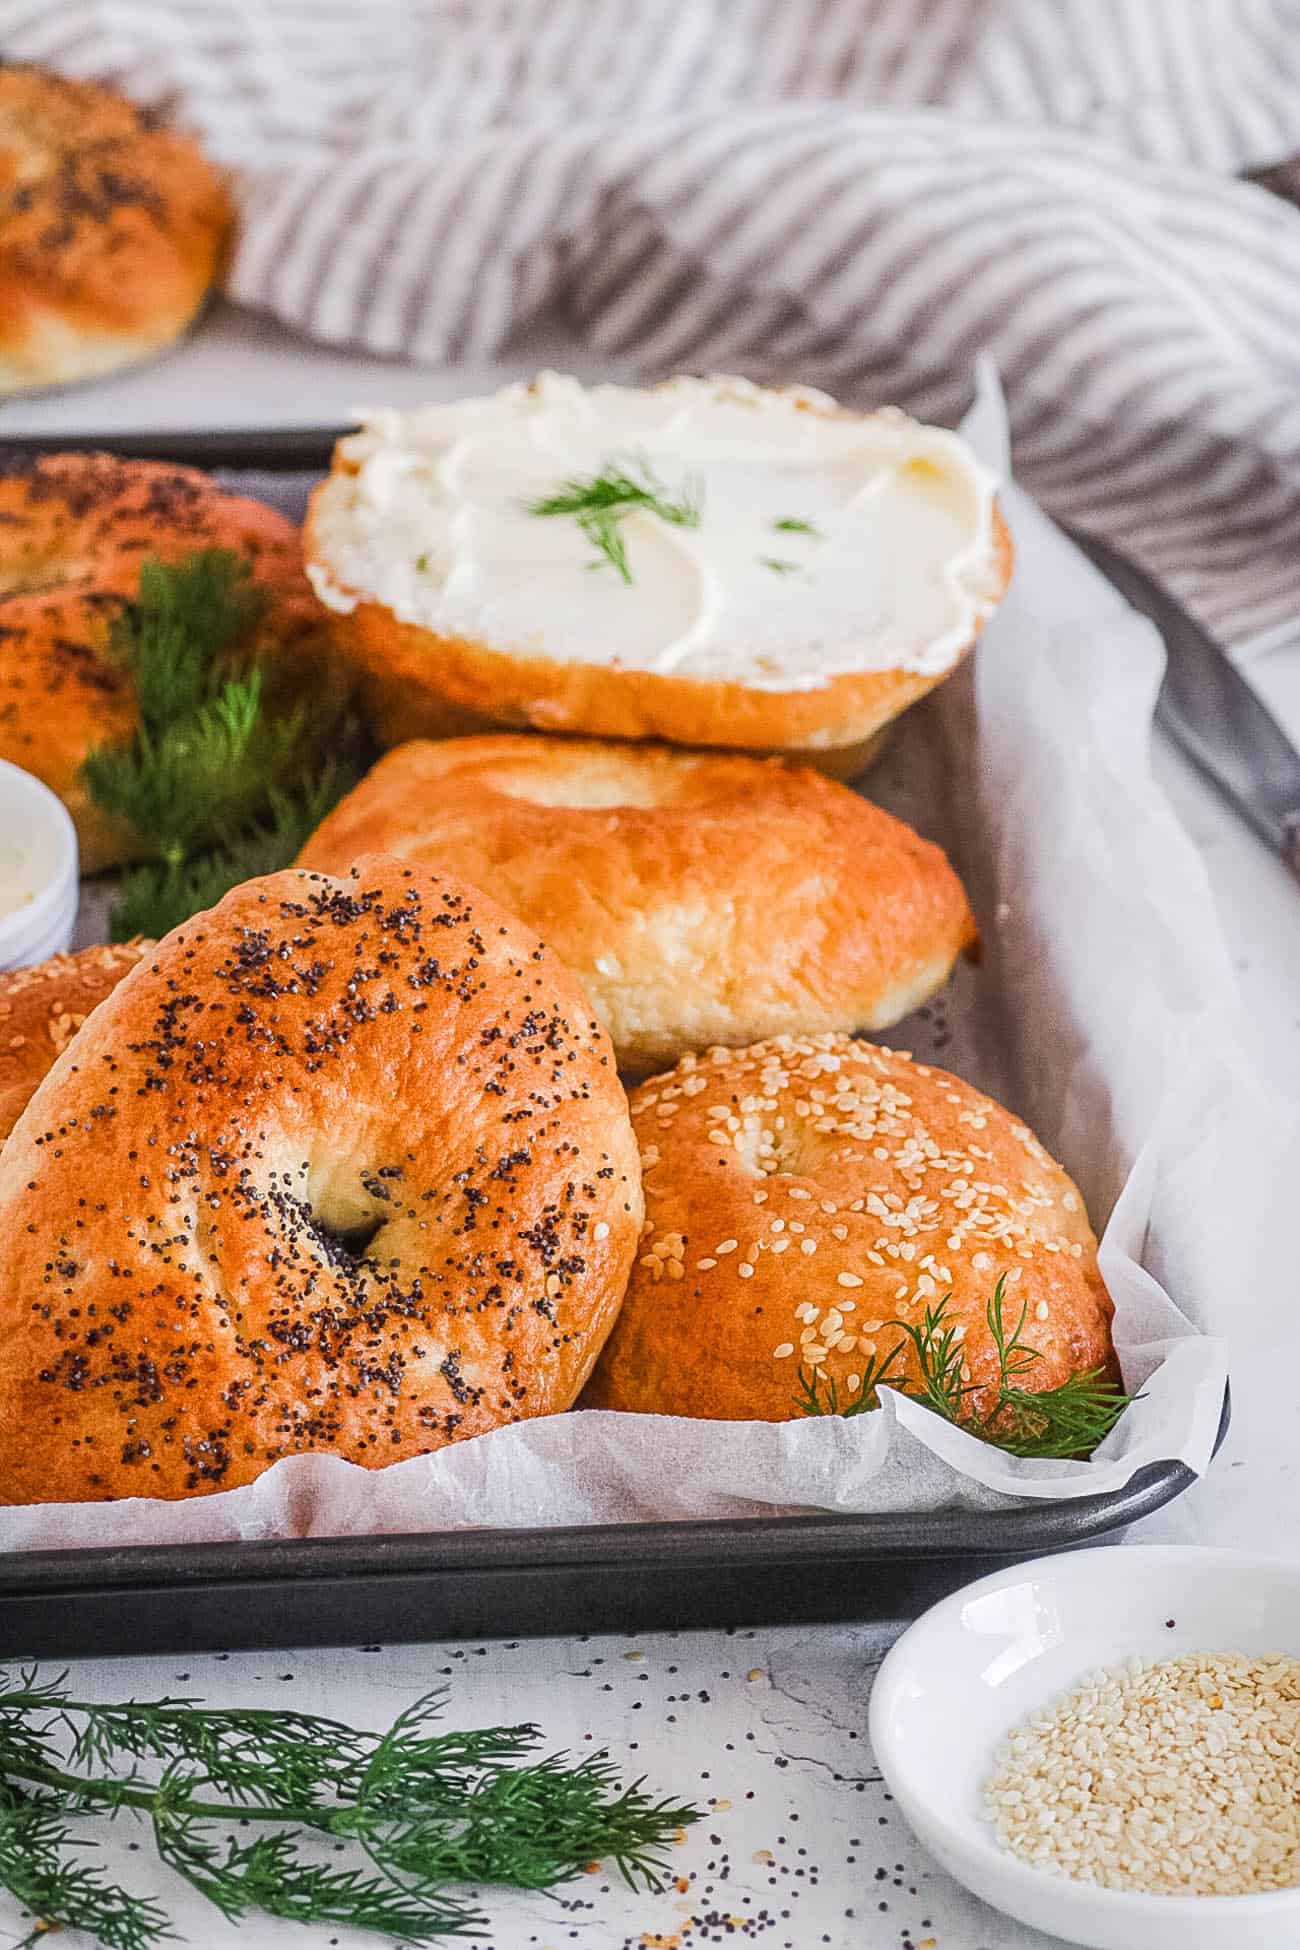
<point>806,1196</point>
<point>340,1166</point>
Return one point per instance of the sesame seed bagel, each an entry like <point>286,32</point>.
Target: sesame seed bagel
<point>74,529</point>
<point>700,897</point>
<point>112,229</point>
<point>806,1195</point>
<point>778,573</point>
<point>41,1010</point>
<point>339,1166</point>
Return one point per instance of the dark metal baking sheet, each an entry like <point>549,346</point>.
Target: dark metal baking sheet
<point>511,1583</point>
<point>526,1583</point>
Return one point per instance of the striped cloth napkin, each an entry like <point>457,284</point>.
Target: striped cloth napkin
<point>861,194</point>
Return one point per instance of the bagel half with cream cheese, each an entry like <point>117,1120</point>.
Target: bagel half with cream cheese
<point>707,562</point>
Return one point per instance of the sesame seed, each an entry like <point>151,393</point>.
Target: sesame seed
<point>807,1246</point>
<point>600,1230</point>
<point>780,1353</point>
<point>705,1265</point>
<point>848,1279</point>
<point>725,1246</point>
<point>797,1191</point>
<point>1040,1311</point>
<point>854,1383</point>
<point>1177,1777</point>
<point>745,1270</point>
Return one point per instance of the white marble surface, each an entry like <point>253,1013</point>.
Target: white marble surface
<point>801,1846</point>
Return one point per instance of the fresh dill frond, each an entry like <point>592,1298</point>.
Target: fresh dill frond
<point>187,619</point>
<point>38,1867</point>
<point>221,779</point>
<point>1062,1422</point>
<point>819,1394</point>
<point>600,503</point>
<point>194,780</point>
<point>777,565</point>
<point>157,896</point>
<point>373,1831</point>
<point>791,525</point>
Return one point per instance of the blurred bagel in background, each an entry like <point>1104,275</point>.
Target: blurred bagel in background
<point>112,230</point>
<point>701,897</point>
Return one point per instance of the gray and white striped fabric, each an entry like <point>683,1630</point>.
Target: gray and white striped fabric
<point>861,194</point>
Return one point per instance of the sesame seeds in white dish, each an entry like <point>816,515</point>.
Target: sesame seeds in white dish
<point>1146,1694</point>
<point>1177,1776</point>
<point>707,561</point>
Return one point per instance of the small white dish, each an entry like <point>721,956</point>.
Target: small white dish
<point>978,1663</point>
<point>38,870</point>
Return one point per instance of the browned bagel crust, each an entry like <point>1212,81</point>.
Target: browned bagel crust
<point>420,684</point>
<point>700,897</point>
<point>112,230</point>
<point>74,529</point>
<point>771,1245</point>
<point>41,1010</point>
<point>340,1166</point>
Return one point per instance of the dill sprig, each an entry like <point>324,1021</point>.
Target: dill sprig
<point>218,773</point>
<point>1062,1422</point>
<point>600,503</point>
<point>350,1828</point>
<point>154,898</point>
<point>792,525</point>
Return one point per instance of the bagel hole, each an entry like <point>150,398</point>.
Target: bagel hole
<point>344,1217</point>
<point>346,1245</point>
<point>590,784</point>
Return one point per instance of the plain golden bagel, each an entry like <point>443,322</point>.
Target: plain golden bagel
<point>700,897</point>
<point>112,230</point>
<point>41,1010</point>
<point>806,1195</point>
<point>74,529</point>
<point>427,671</point>
<point>340,1166</point>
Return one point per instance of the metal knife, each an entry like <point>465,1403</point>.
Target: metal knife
<point>1211,712</point>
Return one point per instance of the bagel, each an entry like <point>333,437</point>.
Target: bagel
<point>74,529</point>
<point>699,897</point>
<point>804,1197</point>
<point>41,1010</point>
<point>777,573</point>
<point>339,1166</point>
<point>112,230</point>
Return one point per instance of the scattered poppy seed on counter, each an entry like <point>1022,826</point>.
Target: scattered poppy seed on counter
<point>1174,1777</point>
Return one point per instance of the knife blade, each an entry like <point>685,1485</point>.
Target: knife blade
<point>1209,710</point>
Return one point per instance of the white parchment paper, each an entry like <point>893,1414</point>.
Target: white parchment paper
<point>1103,1012</point>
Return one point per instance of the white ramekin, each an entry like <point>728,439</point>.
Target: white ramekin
<point>38,853</point>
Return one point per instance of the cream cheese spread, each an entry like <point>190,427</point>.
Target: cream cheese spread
<point>808,543</point>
